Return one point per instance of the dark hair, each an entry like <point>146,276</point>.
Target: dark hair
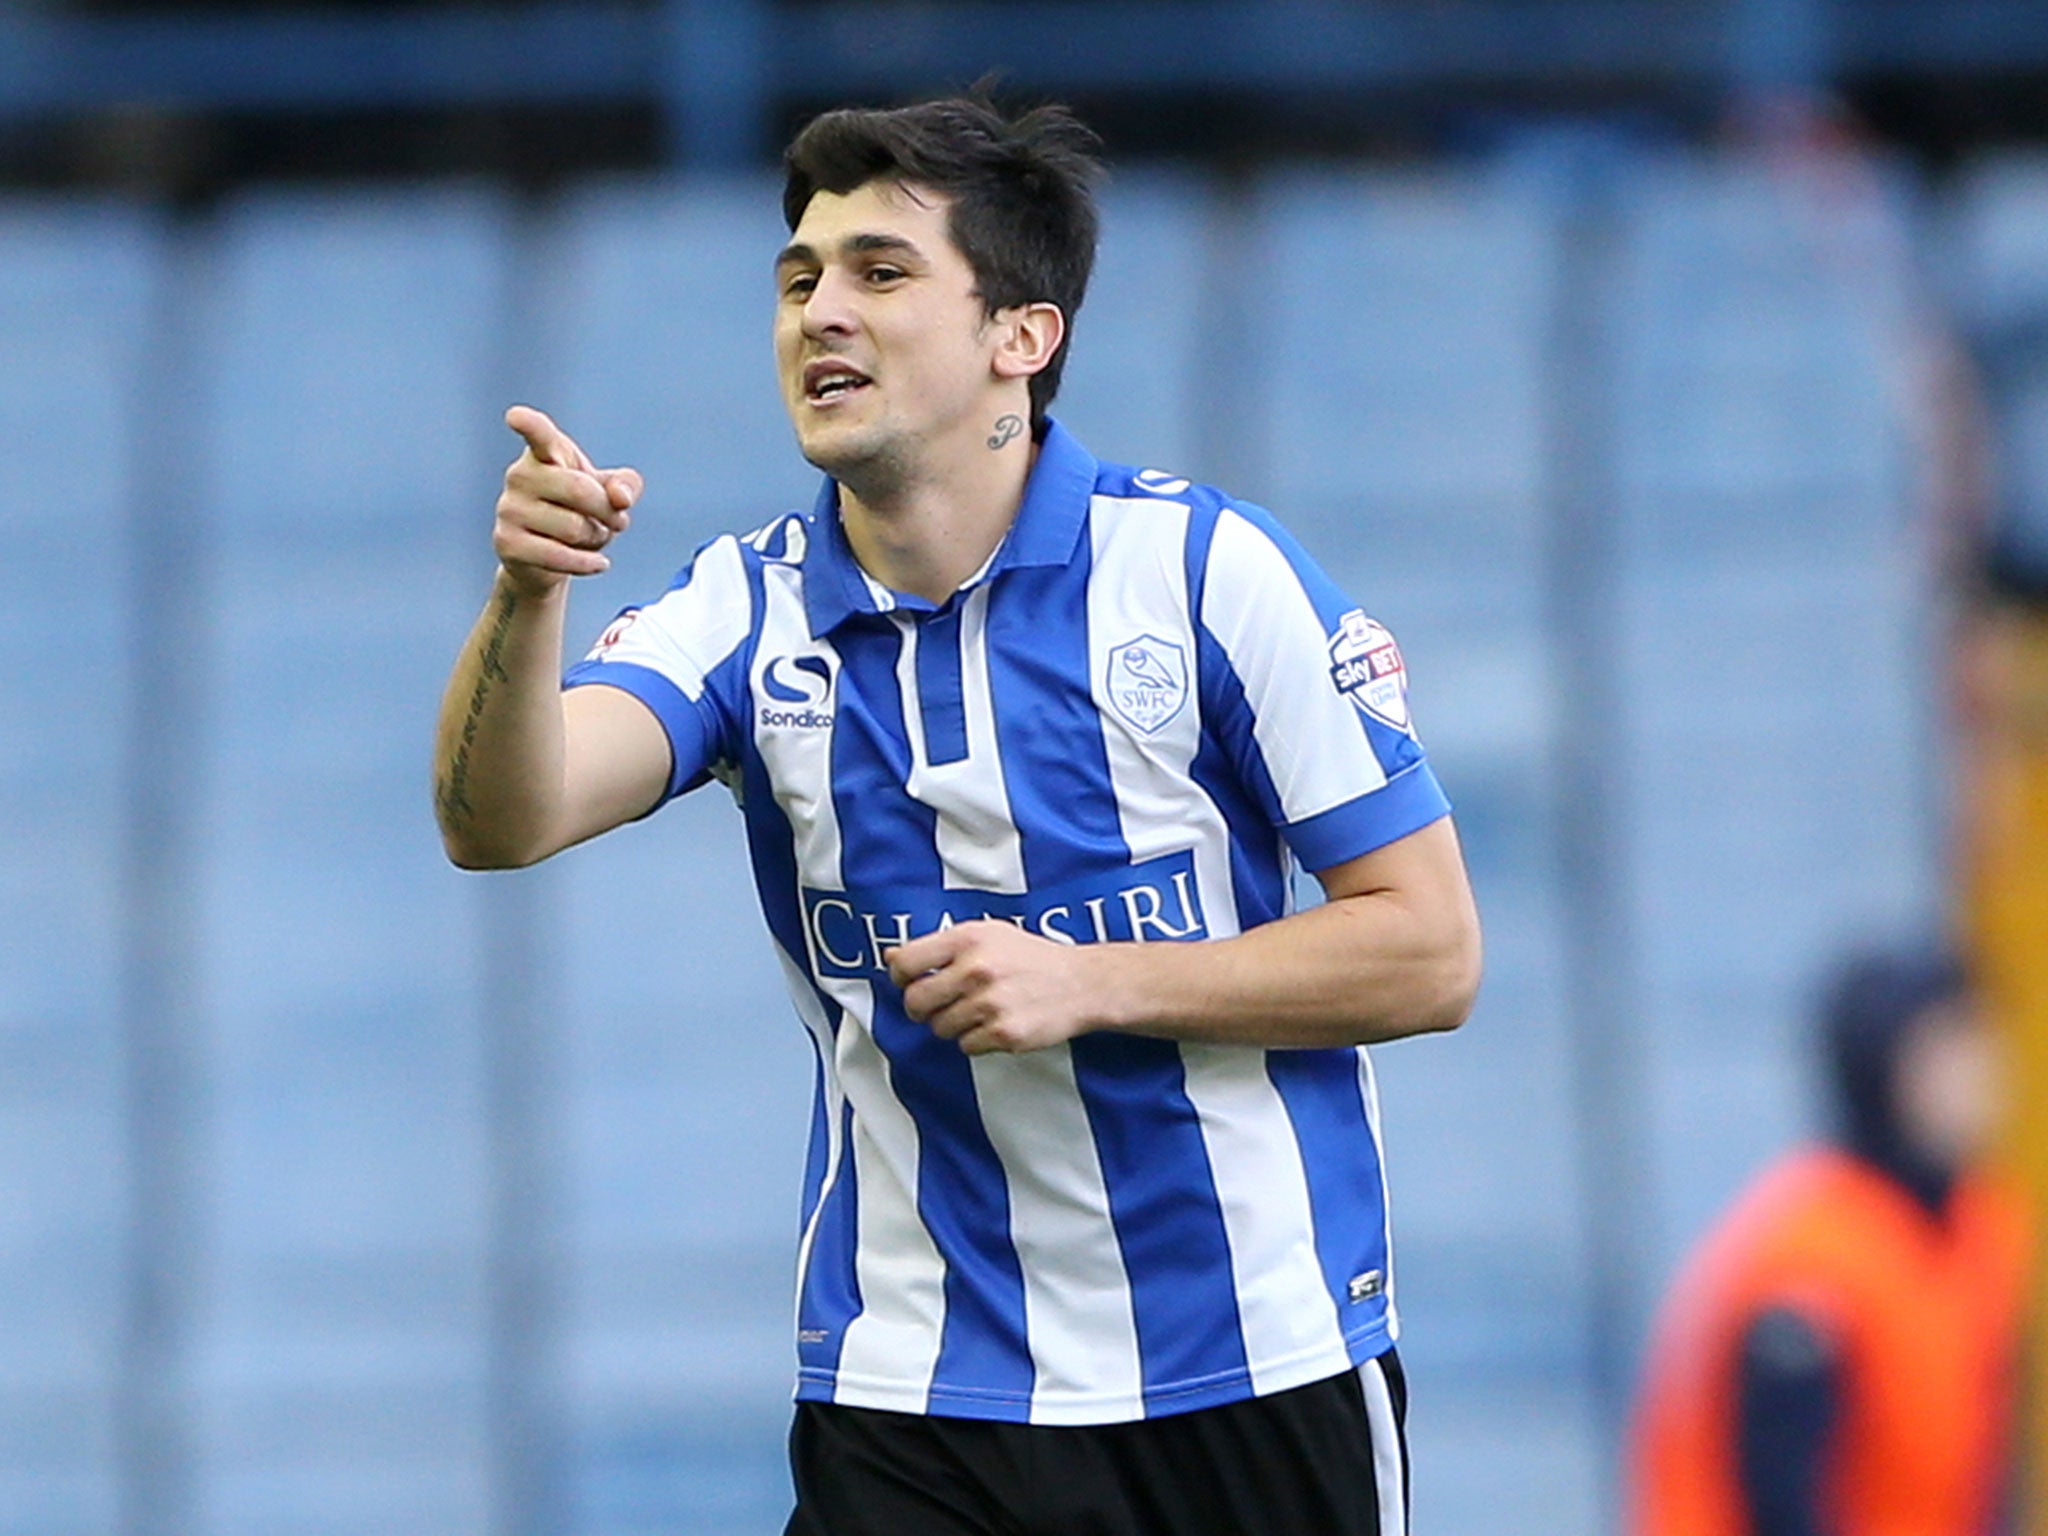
<point>1022,191</point>
<point>1870,1004</point>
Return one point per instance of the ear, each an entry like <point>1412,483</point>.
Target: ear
<point>1030,337</point>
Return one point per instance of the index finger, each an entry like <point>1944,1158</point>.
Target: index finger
<point>548,442</point>
<point>922,955</point>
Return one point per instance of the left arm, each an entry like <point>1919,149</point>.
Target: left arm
<point>1789,1399</point>
<point>1395,951</point>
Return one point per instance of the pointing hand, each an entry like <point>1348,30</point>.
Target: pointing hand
<point>558,510</point>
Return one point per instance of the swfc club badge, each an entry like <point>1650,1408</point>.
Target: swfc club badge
<point>1147,681</point>
<point>1366,666</point>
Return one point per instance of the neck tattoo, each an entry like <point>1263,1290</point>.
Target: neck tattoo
<point>1007,430</point>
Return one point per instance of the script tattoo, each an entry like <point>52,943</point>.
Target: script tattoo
<point>453,793</point>
<point>1007,428</point>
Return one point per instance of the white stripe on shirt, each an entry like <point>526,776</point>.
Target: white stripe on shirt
<point>1292,1334</point>
<point>1138,586</point>
<point>1255,606</point>
<point>891,1348</point>
<point>1288,1320</point>
<point>978,846</point>
<point>1077,1298</point>
<point>1077,1303</point>
<point>714,610</point>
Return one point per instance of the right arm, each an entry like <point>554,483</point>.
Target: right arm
<point>521,769</point>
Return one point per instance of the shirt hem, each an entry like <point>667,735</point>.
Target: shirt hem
<point>939,1400</point>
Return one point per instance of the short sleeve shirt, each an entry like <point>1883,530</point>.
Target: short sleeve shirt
<point>1133,724</point>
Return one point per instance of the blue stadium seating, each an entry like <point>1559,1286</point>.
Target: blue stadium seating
<point>347,344</point>
<point>78,312</point>
<point>1370,353</point>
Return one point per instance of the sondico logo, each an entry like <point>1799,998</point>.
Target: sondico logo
<point>1160,482</point>
<point>802,681</point>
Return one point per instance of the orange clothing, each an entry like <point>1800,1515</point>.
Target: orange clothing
<point>1924,1316</point>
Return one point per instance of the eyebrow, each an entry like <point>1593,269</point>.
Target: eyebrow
<point>853,245</point>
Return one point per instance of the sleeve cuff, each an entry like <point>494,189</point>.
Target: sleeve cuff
<point>1406,803</point>
<point>690,738</point>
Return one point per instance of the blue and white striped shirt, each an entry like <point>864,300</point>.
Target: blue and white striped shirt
<point>1126,727</point>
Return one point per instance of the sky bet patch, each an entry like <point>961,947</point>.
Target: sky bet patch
<point>1366,666</point>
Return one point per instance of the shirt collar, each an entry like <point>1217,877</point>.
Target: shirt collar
<point>1045,531</point>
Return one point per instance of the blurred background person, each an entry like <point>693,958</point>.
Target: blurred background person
<point>1840,1354</point>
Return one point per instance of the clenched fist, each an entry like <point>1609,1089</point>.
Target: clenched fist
<point>990,986</point>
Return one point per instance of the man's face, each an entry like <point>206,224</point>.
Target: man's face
<point>1945,1084</point>
<point>882,344</point>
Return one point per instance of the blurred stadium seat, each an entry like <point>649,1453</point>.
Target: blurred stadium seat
<point>1367,352</point>
<point>348,342</point>
<point>77,309</point>
<point>1777,634</point>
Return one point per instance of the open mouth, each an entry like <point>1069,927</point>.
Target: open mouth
<point>824,383</point>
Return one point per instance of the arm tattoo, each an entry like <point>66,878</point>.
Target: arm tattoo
<point>452,795</point>
<point>1007,428</point>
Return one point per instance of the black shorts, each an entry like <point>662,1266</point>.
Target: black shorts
<point>1327,1459</point>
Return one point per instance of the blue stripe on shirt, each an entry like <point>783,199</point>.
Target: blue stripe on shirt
<point>1170,1228</point>
<point>831,1295</point>
<point>1056,768</point>
<point>941,705</point>
<point>962,1198</point>
<point>1048,730</point>
<point>1326,1104</point>
<point>1237,782</point>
